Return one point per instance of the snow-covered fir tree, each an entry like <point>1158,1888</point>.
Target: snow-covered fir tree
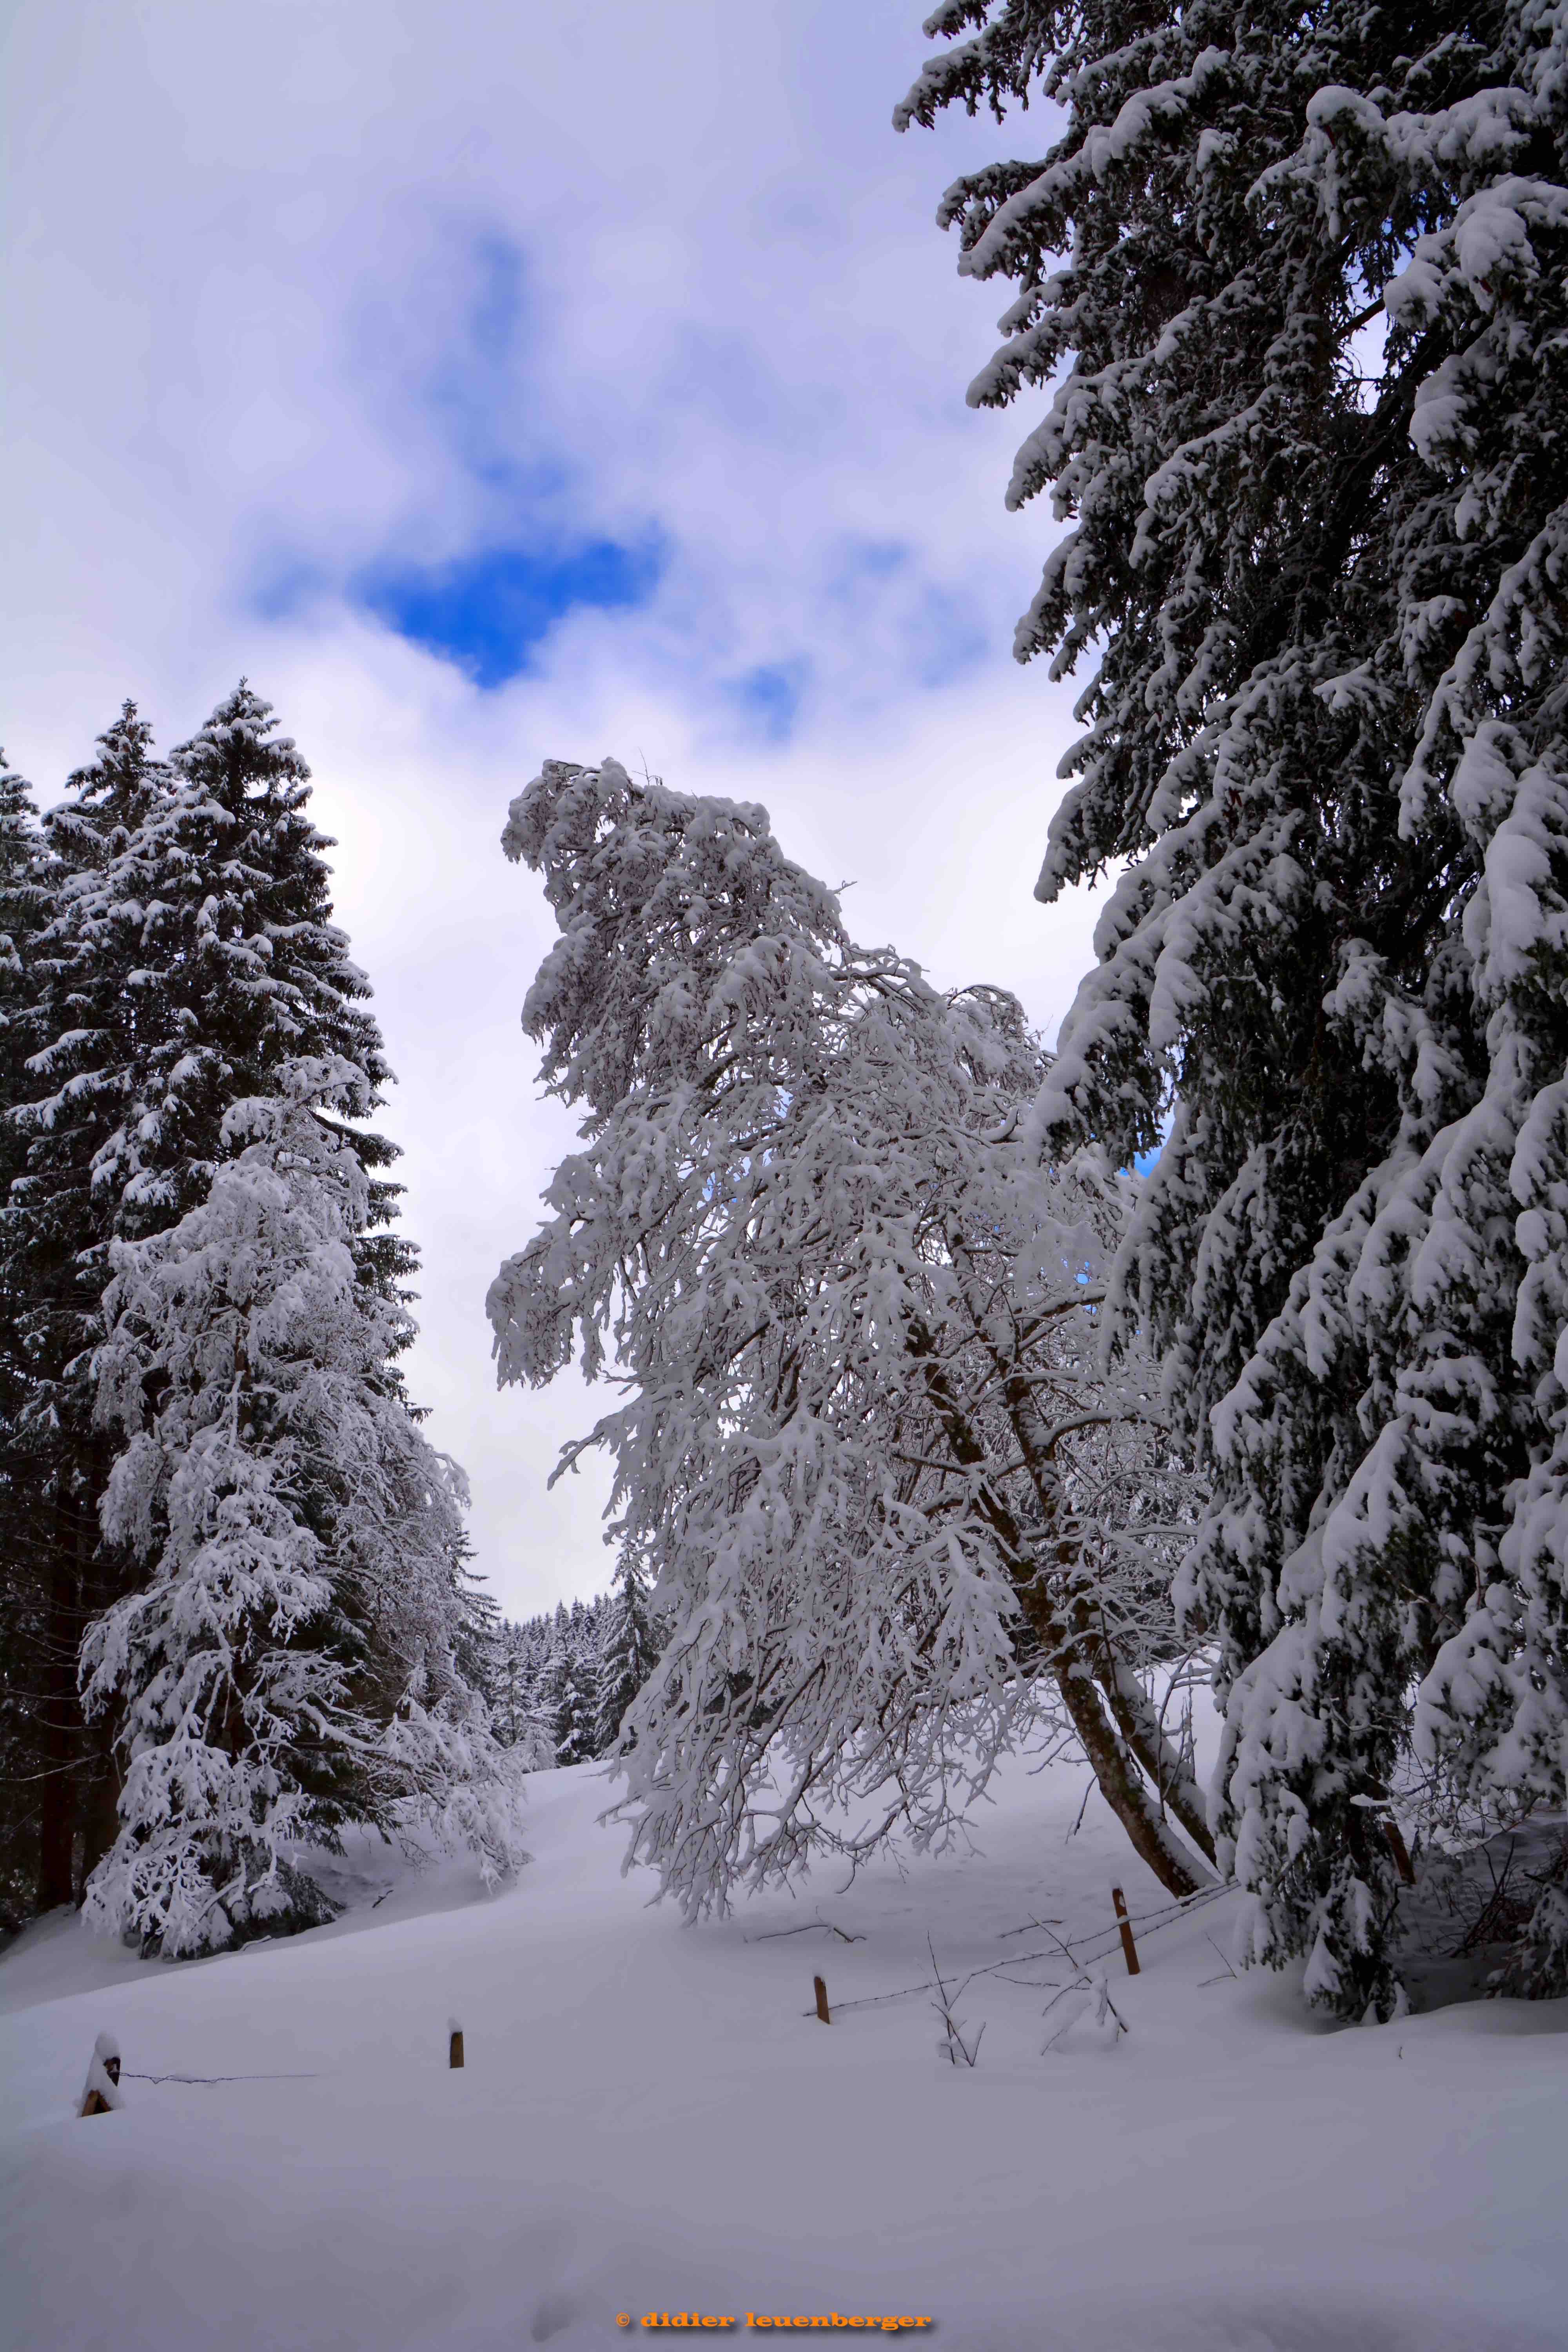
<point>517,1706</point>
<point>24,903</point>
<point>228,878</point>
<point>290,1665</point>
<point>509,1687</point>
<point>27,1687</point>
<point>630,1647</point>
<point>479,1641</point>
<point>567,1693</point>
<point>85,1011</point>
<point>893,1510</point>
<point>188,958</point>
<point>1296,282</point>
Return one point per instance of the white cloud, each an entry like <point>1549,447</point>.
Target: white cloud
<point>295,291</point>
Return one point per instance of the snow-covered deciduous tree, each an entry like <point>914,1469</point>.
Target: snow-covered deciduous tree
<point>1296,279</point>
<point>287,1666</point>
<point>865,1447</point>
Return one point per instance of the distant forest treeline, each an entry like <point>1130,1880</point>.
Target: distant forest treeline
<point>559,1684</point>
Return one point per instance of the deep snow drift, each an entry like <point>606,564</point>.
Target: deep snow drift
<point>650,2118</point>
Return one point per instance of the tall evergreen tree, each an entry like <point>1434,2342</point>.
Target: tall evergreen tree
<point>25,1547</point>
<point>509,1688</point>
<point>24,902</point>
<point>567,1699</point>
<point>629,1652</point>
<point>479,1645</point>
<point>242,959</point>
<point>189,957</point>
<point>290,1664</point>
<point>87,1016</point>
<point>1298,279</point>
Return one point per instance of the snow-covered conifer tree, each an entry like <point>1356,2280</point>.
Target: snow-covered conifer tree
<point>864,1445</point>
<point>24,901</point>
<point>1297,281</point>
<point>567,1691</point>
<point>189,957</point>
<point>240,952</point>
<point>26,1688</point>
<point>480,1644</point>
<point>629,1648</point>
<point>287,1666</point>
<point>86,1013</point>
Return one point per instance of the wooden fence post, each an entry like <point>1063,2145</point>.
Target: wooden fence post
<point>454,2042</point>
<point>1129,1948</point>
<point>821,2000</point>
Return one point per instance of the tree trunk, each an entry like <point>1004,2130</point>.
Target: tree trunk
<point>62,1725</point>
<point>100,1809</point>
<point>1121,1782</point>
<point>1076,1646</point>
<point>1140,1727</point>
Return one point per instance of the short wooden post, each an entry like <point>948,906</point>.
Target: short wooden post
<point>454,2042</point>
<point>100,2092</point>
<point>1129,1949</point>
<point>1400,1850</point>
<point>822,2000</point>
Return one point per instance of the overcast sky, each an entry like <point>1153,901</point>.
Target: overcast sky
<point>495,382</point>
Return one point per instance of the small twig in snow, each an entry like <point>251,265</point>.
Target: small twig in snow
<point>953,2047</point>
<point>1093,1989</point>
<point>808,1927</point>
<point>132,2078</point>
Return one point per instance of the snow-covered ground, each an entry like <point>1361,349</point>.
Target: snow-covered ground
<point>651,2119</point>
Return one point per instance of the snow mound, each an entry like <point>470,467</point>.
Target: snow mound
<point>651,2119</point>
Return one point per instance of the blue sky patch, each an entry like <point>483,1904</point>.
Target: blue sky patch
<point>487,613</point>
<point>868,559</point>
<point>495,321</point>
<point>949,638</point>
<point>769,697</point>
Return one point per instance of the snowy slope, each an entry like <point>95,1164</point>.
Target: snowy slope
<point>649,2119</point>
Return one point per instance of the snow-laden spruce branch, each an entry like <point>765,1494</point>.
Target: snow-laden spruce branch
<point>894,1504</point>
